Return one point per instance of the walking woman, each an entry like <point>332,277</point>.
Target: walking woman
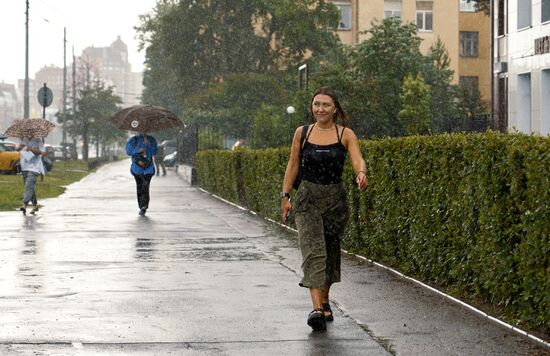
<point>320,207</point>
<point>142,148</point>
<point>30,153</point>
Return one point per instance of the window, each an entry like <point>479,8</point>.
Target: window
<point>502,103</point>
<point>469,44</point>
<point>523,102</point>
<point>468,6</point>
<point>391,13</point>
<point>545,104</point>
<point>345,16</point>
<point>501,18</point>
<point>469,82</point>
<point>524,14</point>
<point>545,10</point>
<point>392,8</point>
<point>424,15</point>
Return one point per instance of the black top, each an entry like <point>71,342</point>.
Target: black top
<point>323,164</point>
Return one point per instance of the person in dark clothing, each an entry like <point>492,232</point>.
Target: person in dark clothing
<point>142,148</point>
<point>320,208</point>
<point>159,160</point>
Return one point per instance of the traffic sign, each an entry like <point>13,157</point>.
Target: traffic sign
<point>45,96</point>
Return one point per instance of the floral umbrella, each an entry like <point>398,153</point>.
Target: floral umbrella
<point>145,118</point>
<point>29,128</point>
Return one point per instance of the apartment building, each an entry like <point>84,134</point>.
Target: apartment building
<point>465,32</point>
<point>112,66</point>
<point>475,56</point>
<point>8,105</point>
<point>522,65</point>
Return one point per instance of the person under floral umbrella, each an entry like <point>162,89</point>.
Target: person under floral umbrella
<point>31,134</point>
<point>30,157</point>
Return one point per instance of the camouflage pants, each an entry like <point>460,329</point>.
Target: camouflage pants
<point>321,214</point>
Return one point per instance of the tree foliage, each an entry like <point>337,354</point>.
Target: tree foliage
<point>271,127</point>
<point>415,114</point>
<point>483,5</point>
<point>230,106</point>
<point>95,103</point>
<point>193,43</point>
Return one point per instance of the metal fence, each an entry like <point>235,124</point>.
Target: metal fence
<point>474,123</point>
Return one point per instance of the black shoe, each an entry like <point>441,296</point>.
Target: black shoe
<point>316,319</point>
<point>328,312</point>
<point>23,210</point>
<point>142,211</point>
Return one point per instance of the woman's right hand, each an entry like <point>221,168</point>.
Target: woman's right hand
<point>285,209</point>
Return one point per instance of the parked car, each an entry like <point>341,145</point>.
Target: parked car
<point>170,160</point>
<point>10,145</point>
<point>54,152</point>
<point>169,147</point>
<point>9,160</point>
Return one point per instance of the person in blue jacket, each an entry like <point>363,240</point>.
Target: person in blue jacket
<point>142,148</point>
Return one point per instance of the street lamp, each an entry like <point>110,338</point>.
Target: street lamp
<point>290,111</point>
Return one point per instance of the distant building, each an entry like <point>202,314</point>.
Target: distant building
<point>521,41</point>
<point>464,32</point>
<point>8,105</point>
<point>112,66</point>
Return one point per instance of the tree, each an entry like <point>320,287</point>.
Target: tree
<point>439,75</point>
<point>229,106</point>
<point>469,100</point>
<point>96,104</point>
<point>416,114</point>
<point>191,44</point>
<point>383,61</point>
<point>271,127</point>
<point>370,77</point>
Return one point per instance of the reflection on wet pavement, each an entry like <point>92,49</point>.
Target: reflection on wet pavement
<point>144,249</point>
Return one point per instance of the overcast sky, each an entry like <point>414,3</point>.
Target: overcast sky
<point>88,22</point>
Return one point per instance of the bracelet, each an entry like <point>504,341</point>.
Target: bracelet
<point>361,172</point>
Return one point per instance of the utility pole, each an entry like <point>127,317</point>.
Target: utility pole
<point>64,139</point>
<point>74,101</point>
<point>26,89</point>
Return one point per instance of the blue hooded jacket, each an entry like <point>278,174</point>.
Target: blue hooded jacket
<point>133,146</point>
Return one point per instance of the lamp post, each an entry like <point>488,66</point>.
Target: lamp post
<point>26,87</point>
<point>290,111</point>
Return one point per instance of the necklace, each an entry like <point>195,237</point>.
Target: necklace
<point>330,128</point>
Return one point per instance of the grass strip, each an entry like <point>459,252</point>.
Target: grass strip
<point>52,185</point>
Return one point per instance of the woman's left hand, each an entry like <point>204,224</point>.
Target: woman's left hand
<point>361,180</point>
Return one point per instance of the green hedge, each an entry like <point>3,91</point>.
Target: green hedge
<point>467,213</point>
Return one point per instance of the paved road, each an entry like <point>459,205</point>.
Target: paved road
<point>88,276</point>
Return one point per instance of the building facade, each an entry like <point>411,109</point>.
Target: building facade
<point>475,56</point>
<point>8,105</point>
<point>112,66</point>
<point>465,33</point>
<point>522,65</point>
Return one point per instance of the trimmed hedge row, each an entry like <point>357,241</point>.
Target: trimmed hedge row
<point>468,213</point>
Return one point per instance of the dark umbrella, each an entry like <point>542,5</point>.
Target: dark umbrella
<point>145,118</point>
<point>29,128</point>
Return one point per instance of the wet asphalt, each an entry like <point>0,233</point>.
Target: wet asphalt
<point>197,276</point>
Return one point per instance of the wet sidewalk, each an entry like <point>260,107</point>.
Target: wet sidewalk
<point>196,276</point>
